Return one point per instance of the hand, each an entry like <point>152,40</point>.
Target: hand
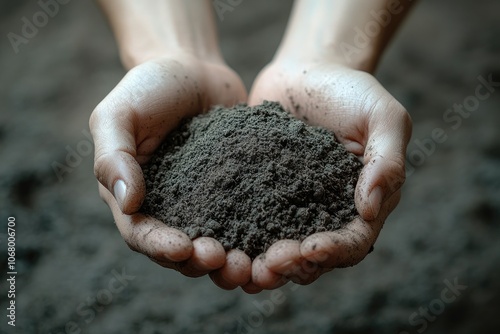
<point>372,125</point>
<point>127,127</point>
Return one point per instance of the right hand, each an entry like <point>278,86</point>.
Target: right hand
<point>371,124</point>
<point>128,126</point>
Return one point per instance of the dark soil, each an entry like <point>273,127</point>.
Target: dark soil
<point>250,176</point>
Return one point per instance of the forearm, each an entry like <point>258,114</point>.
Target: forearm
<point>146,29</point>
<point>350,32</point>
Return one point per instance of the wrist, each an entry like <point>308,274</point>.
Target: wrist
<point>351,33</point>
<point>132,54</point>
<point>358,59</point>
<point>159,28</point>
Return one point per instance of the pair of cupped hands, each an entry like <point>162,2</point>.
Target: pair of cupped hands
<point>153,97</point>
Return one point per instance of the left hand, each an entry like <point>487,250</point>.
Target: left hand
<point>127,127</point>
<point>371,124</point>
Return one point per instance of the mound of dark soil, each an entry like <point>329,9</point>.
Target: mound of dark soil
<point>250,176</point>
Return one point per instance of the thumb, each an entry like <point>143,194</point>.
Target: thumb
<point>389,131</point>
<point>115,164</point>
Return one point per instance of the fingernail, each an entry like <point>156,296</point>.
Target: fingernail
<point>375,199</point>
<point>120,190</point>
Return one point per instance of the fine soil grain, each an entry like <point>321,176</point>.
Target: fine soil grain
<point>250,176</point>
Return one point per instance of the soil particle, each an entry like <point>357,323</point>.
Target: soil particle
<point>250,176</point>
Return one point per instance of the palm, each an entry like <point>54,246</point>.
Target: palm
<point>331,96</point>
<point>156,95</point>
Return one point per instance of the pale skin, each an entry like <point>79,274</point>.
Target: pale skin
<point>176,70</point>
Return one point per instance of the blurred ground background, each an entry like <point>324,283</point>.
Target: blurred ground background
<point>445,230</point>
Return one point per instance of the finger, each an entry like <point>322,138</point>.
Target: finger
<point>338,248</point>
<point>389,130</point>
<point>208,254</point>
<point>164,263</point>
<point>349,245</point>
<point>309,273</point>
<point>115,164</point>
<point>218,280</point>
<point>237,271</point>
<point>149,236</point>
<point>205,258</point>
<point>238,268</point>
<point>251,288</point>
<point>283,257</point>
<point>263,277</point>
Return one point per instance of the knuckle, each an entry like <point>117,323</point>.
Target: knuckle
<point>407,121</point>
<point>395,175</point>
<point>401,116</point>
<point>132,245</point>
<point>93,120</point>
<point>97,115</point>
<point>100,169</point>
<point>102,194</point>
